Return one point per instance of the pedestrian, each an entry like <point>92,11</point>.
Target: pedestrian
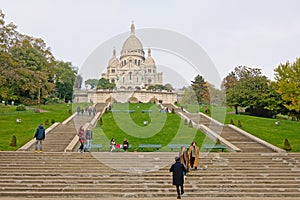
<point>194,155</point>
<point>39,136</point>
<point>89,137</point>
<point>94,111</point>
<point>125,144</point>
<point>78,110</point>
<point>184,157</point>
<point>112,145</point>
<point>178,170</point>
<point>82,111</point>
<point>90,110</point>
<point>81,139</point>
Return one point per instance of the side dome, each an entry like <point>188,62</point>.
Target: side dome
<point>149,60</point>
<point>114,61</point>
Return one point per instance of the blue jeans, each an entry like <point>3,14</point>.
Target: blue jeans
<point>88,144</point>
<point>37,143</point>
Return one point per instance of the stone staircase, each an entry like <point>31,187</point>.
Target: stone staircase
<point>243,142</point>
<point>103,175</point>
<point>62,135</point>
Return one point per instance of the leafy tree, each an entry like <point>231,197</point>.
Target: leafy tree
<point>168,86</point>
<point>230,85</point>
<point>189,96</point>
<point>200,87</point>
<point>64,80</point>
<point>105,84</point>
<point>27,66</point>
<point>247,87</point>
<point>92,83</point>
<point>158,87</point>
<point>288,85</point>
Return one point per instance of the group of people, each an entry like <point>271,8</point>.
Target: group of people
<point>188,158</point>
<point>113,145</point>
<point>89,109</point>
<point>85,137</point>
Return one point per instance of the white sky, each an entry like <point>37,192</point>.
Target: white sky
<point>255,33</point>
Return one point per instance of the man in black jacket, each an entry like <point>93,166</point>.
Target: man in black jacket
<point>178,170</point>
<point>39,136</point>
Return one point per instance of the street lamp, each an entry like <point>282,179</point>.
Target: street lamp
<point>39,95</point>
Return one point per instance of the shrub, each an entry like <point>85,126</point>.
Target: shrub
<point>173,111</point>
<point>185,122</point>
<point>239,124</point>
<point>21,107</point>
<point>231,121</point>
<point>218,141</point>
<point>70,111</point>
<point>47,122</point>
<point>13,141</point>
<point>52,121</point>
<point>100,121</point>
<point>190,124</point>
<point>287,145</point>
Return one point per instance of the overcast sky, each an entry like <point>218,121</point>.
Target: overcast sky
<point>255,33</point>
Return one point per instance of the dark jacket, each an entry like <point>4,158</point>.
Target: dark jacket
<point>40,133</point>
<point>178,169</point>
<point>88,134</point>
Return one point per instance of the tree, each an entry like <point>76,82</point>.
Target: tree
<point>105,84</point>
<point>92,83</point>
<point>247,87</point>
<point>230,86</point>
<point>168,86</point>
<point>64,80</point>
<point>288,85</point>
<point>27,66</point>
<point>200,87</point>
<point>189,96</point>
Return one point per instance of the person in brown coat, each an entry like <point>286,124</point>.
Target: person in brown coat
<point>194,155</point>
<point>184,157</point>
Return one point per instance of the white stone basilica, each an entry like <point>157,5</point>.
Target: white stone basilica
<point>132,71</point>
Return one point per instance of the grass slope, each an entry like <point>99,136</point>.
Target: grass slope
<point>24,131</point>
<point>162,128</point>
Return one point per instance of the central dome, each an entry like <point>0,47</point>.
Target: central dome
<point>132,46</point>
<point>132,43</point>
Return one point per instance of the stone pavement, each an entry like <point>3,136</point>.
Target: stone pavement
<point>138,175</point>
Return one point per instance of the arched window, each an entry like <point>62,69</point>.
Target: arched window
<point>130,74</point>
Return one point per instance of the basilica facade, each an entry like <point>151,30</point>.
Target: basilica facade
<point>132,70</point>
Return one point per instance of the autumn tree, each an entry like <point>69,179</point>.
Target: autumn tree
<point>200,87</point>
<point>288,85</point>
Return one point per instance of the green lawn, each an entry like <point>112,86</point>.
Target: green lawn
<point>263,128</point>
<point>24,131</point>
<point>162,128</point>
<point>266,129</point>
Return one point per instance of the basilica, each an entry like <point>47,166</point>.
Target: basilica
<point>132,71</point>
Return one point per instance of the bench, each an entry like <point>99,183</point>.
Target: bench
<point>214,146</point>
<point>146,111</point>
<point>178,146</point>
<point>153,146</point>
<point>96,146</point>
<point>129,111</point>
<point>115,111</point>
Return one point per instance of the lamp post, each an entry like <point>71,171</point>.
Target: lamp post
<point>39,95</point>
